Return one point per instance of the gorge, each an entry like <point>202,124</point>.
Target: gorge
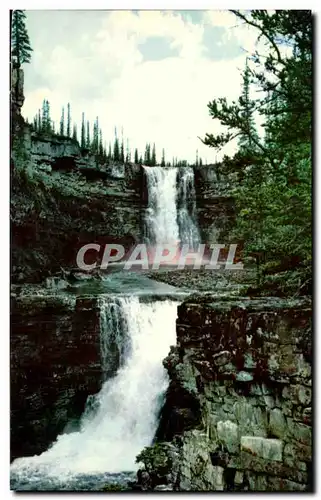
<point>210,388</point>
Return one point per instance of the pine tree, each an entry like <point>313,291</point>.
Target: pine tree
<point>35,123</point>
<point>136,159</point>
<point>153,158</point>
<point>74,132</point>
<point>62,122</point>
<point>140,160</point>
<point>116,154</point>
<point>20,44</point>
<point>83,131</point>
<point>201,162</point>
<point>45,117</point>
<point>95,141</point>
<point>110,156</point>
<point>39,127</point>
<point>122,148</point>
<point>88,135</point>
<point>68,120</point>
<point>163,158</point>
<point>147,158</point>
<point>101,146</point>
<point>128,154</point>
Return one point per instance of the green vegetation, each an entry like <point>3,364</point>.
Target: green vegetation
<point>20,44</point>
<point>274,169</point>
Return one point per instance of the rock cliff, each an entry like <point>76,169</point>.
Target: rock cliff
<point>237,414</point>
<point>55,366</point>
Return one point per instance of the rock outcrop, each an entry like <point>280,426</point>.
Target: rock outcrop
<point>215,205</point>
<point>237,414</point>
<point>55,366</point>
<point>62,199</point>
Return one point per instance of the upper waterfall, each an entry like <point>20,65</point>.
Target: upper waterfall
<point>171,212</point>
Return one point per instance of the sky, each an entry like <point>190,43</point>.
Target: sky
<point>150,73</point>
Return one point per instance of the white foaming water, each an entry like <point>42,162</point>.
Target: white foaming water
<point>128,404</point>
<point>171,213</point>
<point>161,214</point>
<point>187,219</point>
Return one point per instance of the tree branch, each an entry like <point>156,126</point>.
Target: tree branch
<point>270,39</point>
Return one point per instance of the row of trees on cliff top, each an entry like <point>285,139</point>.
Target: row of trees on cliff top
<point>273,196</point>
<point>91,138</point>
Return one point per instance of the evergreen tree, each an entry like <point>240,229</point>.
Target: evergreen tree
<point>39,126</point>
<point>140,160</point>
<point>116,154</point>
<point>35,124</point>
<point>201,162</point>
<point>83,131</point>
<point>136,159</point>
<point>110,156</point>
<point>62,122</point>
<point>153,158</point>
<point>273,198</point>
<point>101,147</point>
<point>88,135</point>
<point>95,141</point>
<point>45,117</point>
<point>147,158</point>
<point>20,44</point>
<point>122,153</point>
<point>128,154</point>
<point>163,158</point>
<point>68,120</point>
<point>74,132</point>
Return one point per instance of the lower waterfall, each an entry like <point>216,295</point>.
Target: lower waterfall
<point>124,416</point>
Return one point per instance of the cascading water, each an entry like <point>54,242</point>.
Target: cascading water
<point>171,212</point>
<point>125,414</point>
<point>187,219</point>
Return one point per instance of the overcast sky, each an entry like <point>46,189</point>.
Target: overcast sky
<point>150,72</point>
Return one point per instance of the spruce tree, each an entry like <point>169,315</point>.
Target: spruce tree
<point>153,158</point>
<point>128,154</point>
<point>62,122</point>
<point>163,158</point>
<point>39,127</point>
<point>116,154</point>
<point>136,159</point>
<point>83,131</point>
<point>20,43</point>
<point>45,117</point>
<point>122,149</point>
<point>74,132</point>
<point>68,120</point>
<point>147,158</point>
<point>88,134</point>
<point>101,146</point>
<point>109,156</point>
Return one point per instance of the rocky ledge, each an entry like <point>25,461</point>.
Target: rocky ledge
<point>237,414</point>
<point>55,366</point>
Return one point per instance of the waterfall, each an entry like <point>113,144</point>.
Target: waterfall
<point>171,212</point>
<point>125,415</point>
<point>187,218</point>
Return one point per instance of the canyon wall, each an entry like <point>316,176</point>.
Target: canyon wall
<point>61,199</point>
<point>55,366</point>
<point>237,414</point>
